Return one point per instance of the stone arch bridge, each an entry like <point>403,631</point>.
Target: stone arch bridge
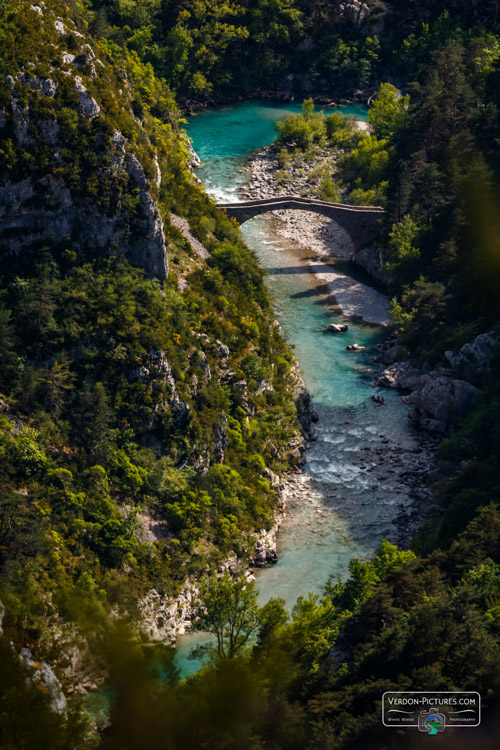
<point>362,223</point>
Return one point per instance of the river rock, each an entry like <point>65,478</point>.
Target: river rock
<point>337,328</point>
<point>399,375</point>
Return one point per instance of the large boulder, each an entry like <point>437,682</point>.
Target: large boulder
<point>41,674</point>
<point>475,354</point>
<point>440,401</point>
<point>400,375</point>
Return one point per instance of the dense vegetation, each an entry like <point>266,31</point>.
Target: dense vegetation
<point>95,434</point>
<point>125,401</point>
<point>352,165</point>
<point>213,46</point>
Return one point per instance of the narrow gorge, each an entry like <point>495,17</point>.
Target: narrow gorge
<point>366,477</point>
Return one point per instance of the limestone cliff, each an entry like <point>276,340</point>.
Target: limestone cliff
<point>78,168</point>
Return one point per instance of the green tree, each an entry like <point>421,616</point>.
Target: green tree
<point>38,306</point>
<point>7,341</point>
<point>421,308</point>
<point>272,616</point>
<point>227,608</point>
<point>401,250</point>
<point>93,433</point>
<point>302,130</point>
<point>58,380</point>
<point>388,112</point>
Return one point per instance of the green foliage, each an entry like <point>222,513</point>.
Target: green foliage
<point>366,164</point>
<point>227,608</point>
<point>364,577</point>
<point>215,44</point>
<point>302,130</point>
<point>402,255</point>
<point>113,388</point>
<point>420,309</point>
<point>341,131</point>
<point>28,456</point>
<point>330,191</point>
<point>388,111</point>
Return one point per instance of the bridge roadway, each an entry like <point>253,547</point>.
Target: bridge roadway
<point>362,223</point>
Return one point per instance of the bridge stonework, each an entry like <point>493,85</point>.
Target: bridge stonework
<point>362,223</point>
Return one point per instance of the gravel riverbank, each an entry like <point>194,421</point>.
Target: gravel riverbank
<point>324,239</point>
<point>328,247</point>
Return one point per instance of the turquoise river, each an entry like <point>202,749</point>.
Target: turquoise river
<point>348,501</point>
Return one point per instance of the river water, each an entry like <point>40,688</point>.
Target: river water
<point>351,492</point>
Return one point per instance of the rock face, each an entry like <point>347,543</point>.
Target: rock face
<point>156,373</point>
<point>220,440</point>
<point>307,415</point>
<point>354,10</point>
<point>440,401</point>
<point>371,260</point>
<point>163,618</point>
<point>150,250</point>
<point>114,211</point>
<point>41,674</point>
<point>441,397</point>
<point>474,356</point>
<point>194,160</point>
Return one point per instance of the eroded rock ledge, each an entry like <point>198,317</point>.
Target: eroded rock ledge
<point>441,397</point>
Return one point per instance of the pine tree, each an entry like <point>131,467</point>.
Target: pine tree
<point>95,415</point>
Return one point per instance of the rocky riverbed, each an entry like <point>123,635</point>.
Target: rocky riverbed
<point>327,243</point>
<point>408,469</point>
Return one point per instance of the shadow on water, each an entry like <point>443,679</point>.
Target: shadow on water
<point>318,268</point>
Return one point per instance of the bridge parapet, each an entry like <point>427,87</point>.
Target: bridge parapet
<point>362,223</point>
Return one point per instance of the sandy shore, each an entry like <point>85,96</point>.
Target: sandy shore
<point>318,235</point>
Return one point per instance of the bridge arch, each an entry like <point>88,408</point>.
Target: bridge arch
<point>362,223</point>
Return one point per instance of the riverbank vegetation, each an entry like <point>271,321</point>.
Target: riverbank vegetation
<point>354,163</point>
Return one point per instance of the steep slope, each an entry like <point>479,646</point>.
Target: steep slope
<point>145,415</point>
